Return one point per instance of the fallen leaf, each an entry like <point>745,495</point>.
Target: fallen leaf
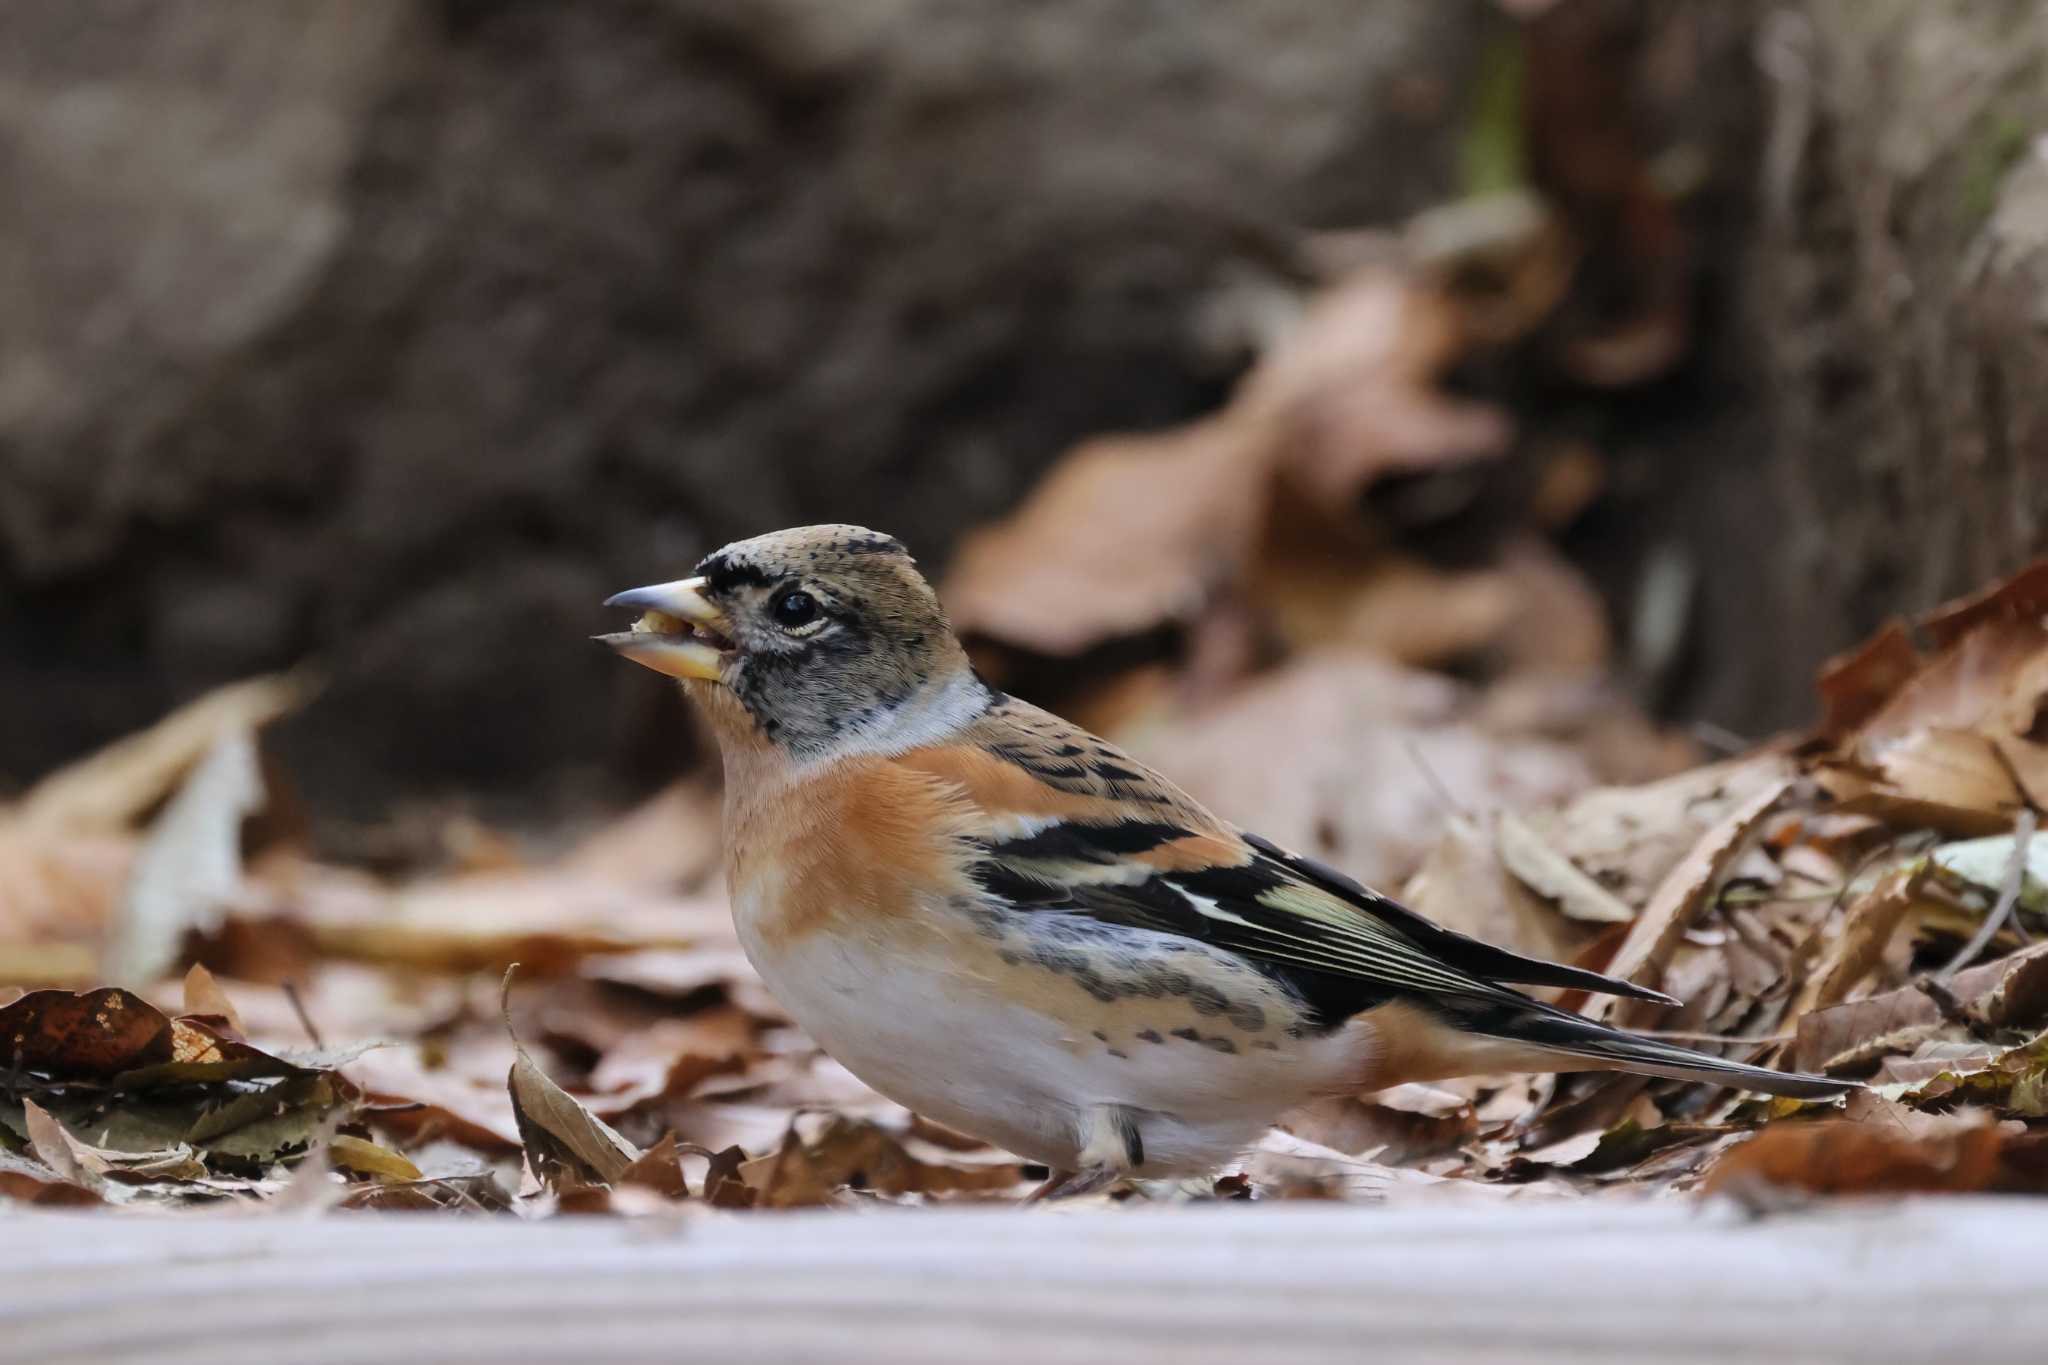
<point>1352,754</point>
<point>1854,686</point>
<point>802,1174</point>
<point>1866,928</point>
<point>1553,876</point>
<point>112,788</point>
<point>190,866</point>
<point>203,996</point>
<point>27,1181</point>
<point>547,919</point>
<point>368,1158</point>
<point>1838,1156</point>
<point>1629,839</point>
<point>1352,391</point>
<point>1126,533</point>
<point>659,1168</point>
<point>1464,885</point>
<point>1678,901</point>
<point>563,1140</point>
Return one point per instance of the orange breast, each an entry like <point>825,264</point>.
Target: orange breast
<point>861,848</point>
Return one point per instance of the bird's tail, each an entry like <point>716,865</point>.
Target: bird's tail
<point>1558,1035</point>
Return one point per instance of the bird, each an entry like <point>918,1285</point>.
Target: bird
<point>1010,926</point>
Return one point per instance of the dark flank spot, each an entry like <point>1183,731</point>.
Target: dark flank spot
<point>1250,1018</point>
<point>1068,751</point>
<point>1208,1001</point>
<point>1149,1036</point>
<point>1296,1031</point>
<point>1100,1036</point>
<point>1267,1045</point>
<point>1010,959</point>
<point>1188,1034</point>
<point>1112,773</point>
<point>1124,1056</point>
<point>1219,1045</point>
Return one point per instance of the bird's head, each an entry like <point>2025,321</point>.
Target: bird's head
<point>822,640</point>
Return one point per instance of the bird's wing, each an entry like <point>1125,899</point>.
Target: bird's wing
<point>1070,823</point>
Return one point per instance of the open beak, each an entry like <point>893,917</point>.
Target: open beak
<point>679,632</point>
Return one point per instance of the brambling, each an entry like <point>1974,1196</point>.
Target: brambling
<point>1006,924</point>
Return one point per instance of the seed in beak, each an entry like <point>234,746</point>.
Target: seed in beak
<point>660,623</point>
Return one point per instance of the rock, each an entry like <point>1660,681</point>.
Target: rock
<point>394,336</point>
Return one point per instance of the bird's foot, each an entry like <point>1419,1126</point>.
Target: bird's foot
<point>1074,1184</point>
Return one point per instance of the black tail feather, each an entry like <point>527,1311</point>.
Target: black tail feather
<point>1556,1031</point>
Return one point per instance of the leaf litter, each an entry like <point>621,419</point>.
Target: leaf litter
<point>1335,610</point>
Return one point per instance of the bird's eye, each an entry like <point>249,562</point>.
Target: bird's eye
<point>794,609</point>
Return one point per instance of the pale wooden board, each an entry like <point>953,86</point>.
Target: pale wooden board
<point>1956,1280</point>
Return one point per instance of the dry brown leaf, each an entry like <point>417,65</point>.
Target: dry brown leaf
<point>1126,533</point>
<point>548,920</point>
<point>1630,838</point>
<point>1351,754</point>
<point>2011,993</point>
<point>204,996</point>
<point>408,1097</point>
<point>1952,770</point>
<point>562,1138</point>
<point>2022,598</point>
<point>57,894</point>
<point>1843,1156</point>
<point>1989,679</point>
<point>1352,392</point>
<point>659,1168</point>
<point>1131,533</point>
<point>564,1142</point>
<point>111,789</point>
<point>1553,876</point>
<point>56,1148</point>
<point>1677,902</point>
<point>1463,885</point>
<point>97,1034</point>
<point>802,1174</point>
<point>24,1180</point>
<point>1854,686</point>
<point>1866,928</point>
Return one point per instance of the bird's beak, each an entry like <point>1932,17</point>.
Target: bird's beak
<point>680,631</point>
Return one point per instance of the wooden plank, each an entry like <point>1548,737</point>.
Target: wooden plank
<point>1953,1279</point>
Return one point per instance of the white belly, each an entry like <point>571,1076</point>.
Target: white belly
<point>930,1033</point>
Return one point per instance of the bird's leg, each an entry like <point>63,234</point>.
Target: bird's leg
<point>1111,1148</point>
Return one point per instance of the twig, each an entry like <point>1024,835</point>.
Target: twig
<point>291,993</point>
<point>2008,895</point>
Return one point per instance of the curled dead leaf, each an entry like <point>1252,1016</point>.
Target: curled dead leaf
<point>1841,1156</point>
<point>564,1141</point>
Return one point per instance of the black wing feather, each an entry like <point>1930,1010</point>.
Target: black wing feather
<point>1468,954</point>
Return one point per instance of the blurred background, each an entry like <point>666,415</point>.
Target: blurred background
<point>1566,380</point>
